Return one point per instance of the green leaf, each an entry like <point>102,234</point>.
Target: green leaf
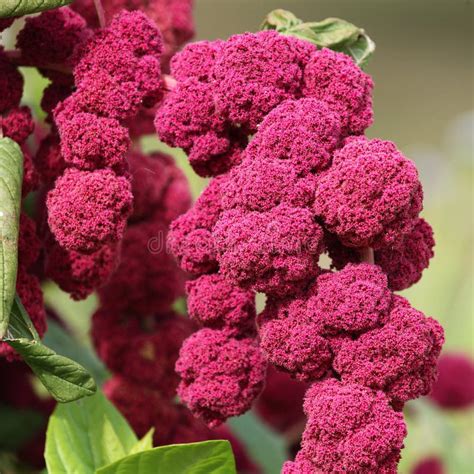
<point>18,426</point>
<point>279,20</point>
<point>360,50</point>
<point>144,444</point>
<point>64,344</point>
<point>86,435</point>
<point>334,33</point>
<point>328,33</point>
<point>65,379</point>
<point>208,457</point>
<point>259,438</point>
<point>14,8</point>
<point>11,177</point>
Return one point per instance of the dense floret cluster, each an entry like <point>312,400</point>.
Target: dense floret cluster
<point>349,429</point>
<point>226,88</point>
<point>307,183</point>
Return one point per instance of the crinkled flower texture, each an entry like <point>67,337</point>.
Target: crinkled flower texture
<point>89,142</point>
<point>215,303</point>
<point>80,274</point>
<point>172,17</point>
<point>304,133</point>
<point>354,300</point>
<point>273,252</point>
<point>335,78</point>
<point>52,36</point>
<point>190,237</point>
<point>254,72</point>
<point>220,376</point>
<point>17,124</point>
<point>350,429</point>
<point>399,358</point>
<point>404,263</point>
<point>88,209</point>
<point>454,388</point>
<point>371,195</point>
<point>292,340</point>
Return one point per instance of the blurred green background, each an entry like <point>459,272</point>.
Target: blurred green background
<point>423,100</point>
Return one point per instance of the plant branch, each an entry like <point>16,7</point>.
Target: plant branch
<point>99,8</point>
<point>367,255</point>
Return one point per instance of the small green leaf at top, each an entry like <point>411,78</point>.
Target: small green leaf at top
<point>11,177</point>
<point>334,33</point>
<point>15,8</point>
<point>280,20</point>
<point>208,457</point>
<point>86,435</point>
<point>64,379</point>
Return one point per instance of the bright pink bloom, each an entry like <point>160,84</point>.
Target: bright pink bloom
<point>190,237</point>
<point>303,132</point>
<point>399,358</point>
<point>213,154</point>
<point>147,279</point>
<point>404,263</point>
<point>143,351</point>
<point>87,210</point>
<point>220,376</point>
<point>196,60</point>
<point>260,185</point>
<point>292,339</point>
<point>17,124</point>
<point>89,142</point>
<point>454,387</point>
<point>353,300</point>
<point>350,429</point>
<point>80,274</point>
<point>335,78</point>
<point>371,195</point>
<point>50,38</point>
<point>188,112</point>
<point>273,252</point>
<point>254,72</point>
<point>215,303</point>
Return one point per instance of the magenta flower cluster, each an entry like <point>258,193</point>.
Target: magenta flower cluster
<point>307,183</point>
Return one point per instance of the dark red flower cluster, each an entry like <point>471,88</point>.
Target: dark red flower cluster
<point>454,388</point>
<point>16,123</point>
<point>307,183</point>
<point>173,18</point>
